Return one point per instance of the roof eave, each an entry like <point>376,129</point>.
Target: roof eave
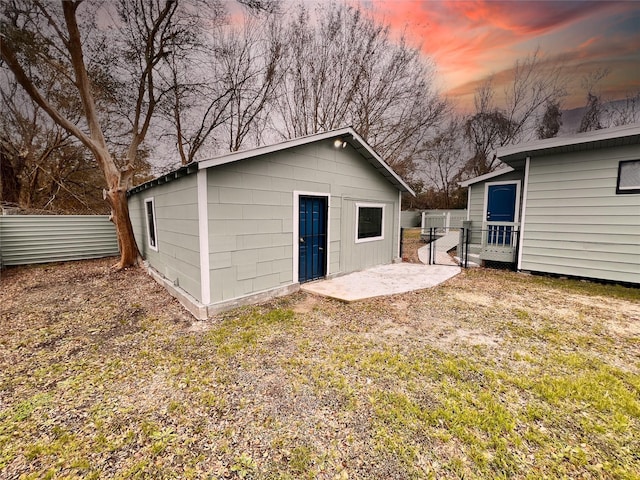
<point>515,153</point>
<point>486,176</point>
<point>350,135</point>
<point>167,177</point>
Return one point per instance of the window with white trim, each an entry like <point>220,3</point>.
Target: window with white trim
<point>628,177</point>
<point>152,232</point>
<point>369,222</point>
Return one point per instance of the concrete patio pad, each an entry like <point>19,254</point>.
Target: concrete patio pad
<point>383,280</point>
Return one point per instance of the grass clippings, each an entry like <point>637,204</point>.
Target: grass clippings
<point>491,375</point>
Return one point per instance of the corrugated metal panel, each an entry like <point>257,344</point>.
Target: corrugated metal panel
<point>27,239</point>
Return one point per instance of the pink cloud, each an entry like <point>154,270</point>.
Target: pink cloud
<point>472,39</point>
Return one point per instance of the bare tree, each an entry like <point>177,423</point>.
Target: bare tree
<point>197,99</point>
<point>551,121</point>
<point>145,32</point>
<point>345,69</point>
<point>625,111</point>
<point>442,161</point>
<point>594,109</point>
<point>223,83</point>
<point>252,71</point>
<point>534,85</point>
<point>43,168</point>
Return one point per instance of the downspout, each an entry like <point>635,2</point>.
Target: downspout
<point>468,201</point>
<point>399,225</point>
<point>203,236</point>
<point>525,189</point>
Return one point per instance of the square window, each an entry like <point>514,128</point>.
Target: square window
<point>628,177</point>
<point>152,235</point>
<point>370,222</point>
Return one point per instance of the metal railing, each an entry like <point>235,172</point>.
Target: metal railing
<point>500,243</point>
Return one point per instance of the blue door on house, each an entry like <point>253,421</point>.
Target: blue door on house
<point>501,207</point>
<point>312,246</point>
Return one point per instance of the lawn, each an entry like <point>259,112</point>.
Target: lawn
<point>491,375</point>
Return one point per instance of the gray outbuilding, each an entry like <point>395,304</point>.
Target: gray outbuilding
<point>252,225</point>
<point>566,206</point>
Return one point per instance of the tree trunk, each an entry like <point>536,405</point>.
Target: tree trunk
<point>129,254</point>
<point>9,183</point>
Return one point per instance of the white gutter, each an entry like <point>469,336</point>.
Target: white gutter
<point>468,202</point>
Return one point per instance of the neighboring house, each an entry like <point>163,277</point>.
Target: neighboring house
<point>566,206</point>
<point>255,224</point>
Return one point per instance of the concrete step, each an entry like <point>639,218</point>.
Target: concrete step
<point>473,260</point>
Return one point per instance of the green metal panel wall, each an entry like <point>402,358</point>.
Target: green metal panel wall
<point>26,239</point>
<point>176,208</point>
<point>575,222</point>
<point>251,215</point>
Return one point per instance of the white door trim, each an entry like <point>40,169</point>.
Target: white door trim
<point>516,215</point>
<point>296,230</point>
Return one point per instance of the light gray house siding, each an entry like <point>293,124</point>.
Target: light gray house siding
<point>251,216</point>
<point>227,227</point>
<point>476,199</point>
<point>576,224</point>
<point>177,257</point>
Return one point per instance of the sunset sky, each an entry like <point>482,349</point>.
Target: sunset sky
<point>469,40</point>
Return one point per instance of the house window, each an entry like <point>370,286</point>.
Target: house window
<point>152,233</point>
<point>370,222</point>
<point>628,177</point>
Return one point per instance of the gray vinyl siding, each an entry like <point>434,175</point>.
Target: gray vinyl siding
<point>358,256</point>
<point>176,209</point>
<point>27,239</point>
<point>476,204</point>
<point>576,224</point>
<point>251,220</point>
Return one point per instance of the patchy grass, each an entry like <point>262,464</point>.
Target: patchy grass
<point>492,375</point>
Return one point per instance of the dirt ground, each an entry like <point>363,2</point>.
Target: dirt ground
<point>492,374</point>
<point>411,242</point>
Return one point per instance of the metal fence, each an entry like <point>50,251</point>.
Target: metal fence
<point>27,239</point>
<point>499,245</point>
<point>441,242</point>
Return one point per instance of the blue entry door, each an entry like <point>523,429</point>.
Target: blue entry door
<point>501,207</point>
<point>312,244</point>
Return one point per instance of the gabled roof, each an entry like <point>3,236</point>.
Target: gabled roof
<point>486,176</point>
<point>347,134</point>
<point>608,137</point>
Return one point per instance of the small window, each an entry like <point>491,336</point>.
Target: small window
<point>370,221</point>
<point>152,235</point>
<point>628,177</point>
